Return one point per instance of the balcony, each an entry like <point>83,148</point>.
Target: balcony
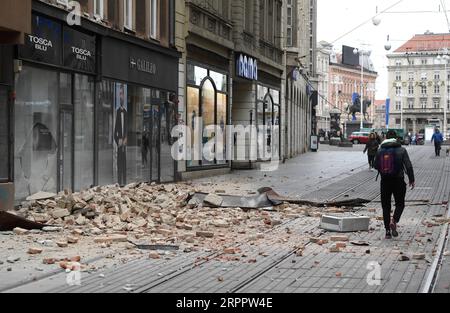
<point>206,22</point>
<point>423,111</point>
<point>270,51</point>
<point>15,21</point>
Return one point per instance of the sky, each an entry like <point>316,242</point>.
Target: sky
<point>401,23</point>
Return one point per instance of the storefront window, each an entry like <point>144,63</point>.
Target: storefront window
<point>168,121</point>
<point>155,135</point>
<point>105,138</point>
<point>275,96</point>
<point>84,132</point>
<point>135,141</point>
<point>221,121</point>
<point>207,98</point>
<point>207,109</point>
<point>196,74</point>
<point>262,92</point>
<point>36,124</point>
<point>268,112</point>
<point>137,168</point>
<point>4,133</point>
<point>193,102</point>
<point>65,132</point>
<point>220,81</point>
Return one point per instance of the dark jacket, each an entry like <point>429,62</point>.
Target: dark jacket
<point>402,155</point>
<point>372,147</point>
<point>118,134</point>
<point>437,138</point>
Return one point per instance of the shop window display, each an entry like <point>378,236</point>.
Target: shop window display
<point>207,98</point>
<point>36,124</point>
<point>84,132</point>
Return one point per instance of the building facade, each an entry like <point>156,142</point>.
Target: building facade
<point>301,75</point>
<point>232,73</point>
<point>95,101</point>
<point>15,22</point>
<point>418,83</point>
<point>379,120</point>
<point>345,82</point>
<point>324,51</point>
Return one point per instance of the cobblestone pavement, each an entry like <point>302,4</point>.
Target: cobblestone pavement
<point>298,176</point>
<point>285,260</point>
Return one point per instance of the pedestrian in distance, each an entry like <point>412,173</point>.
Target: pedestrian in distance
<point>378,139</point>
<point>392,161</point>
<point>372,149</point>
<point>438,139</point>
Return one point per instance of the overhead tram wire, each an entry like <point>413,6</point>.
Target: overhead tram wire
<point>367,21</point>
<point>445,13</point>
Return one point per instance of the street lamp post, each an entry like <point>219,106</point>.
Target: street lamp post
<point>361,54</point>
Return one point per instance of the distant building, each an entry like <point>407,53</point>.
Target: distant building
<point>345,80</point>
<point>418,83</point>
<point>324,51</point>
<point>379,118</point>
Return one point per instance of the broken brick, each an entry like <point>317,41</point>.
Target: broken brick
<point>76,258</point>
<point>314,240</point>
<point>205,234</point>
<point>339,238</point>
<point>34,251</point>
<point>230,250</point>
<point>72,240</point>
<point>49,261</point>
<point>62,244</point>
<point>334,249</point>
<point>20,231</point>
<point>154,255</point>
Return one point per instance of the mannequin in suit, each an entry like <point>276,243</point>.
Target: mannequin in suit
<point>121,138</point>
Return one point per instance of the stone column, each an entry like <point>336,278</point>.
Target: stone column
<point>414,122</point>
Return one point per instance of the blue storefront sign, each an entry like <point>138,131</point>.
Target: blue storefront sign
<point>246,67</point>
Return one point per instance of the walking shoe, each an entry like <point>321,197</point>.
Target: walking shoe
<point>394,229</point>
<point>388,235</point>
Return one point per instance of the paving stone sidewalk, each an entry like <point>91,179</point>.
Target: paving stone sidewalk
<point>274,263</point>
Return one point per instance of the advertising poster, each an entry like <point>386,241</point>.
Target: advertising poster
<point>120,133</point>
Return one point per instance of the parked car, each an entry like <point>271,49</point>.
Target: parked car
<point>359,138</point>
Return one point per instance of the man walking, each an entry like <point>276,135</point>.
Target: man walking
<point>392,161</point>
<point>438,139</point>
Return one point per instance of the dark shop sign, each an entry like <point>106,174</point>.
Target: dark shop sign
<point>246,67</point>
<point>44,44</point>
<point>79,50</point>
<point>135,64</point>
<point>142,65</point>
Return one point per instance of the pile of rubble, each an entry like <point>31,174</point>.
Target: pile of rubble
<point>136,206</point>
<point>165,212</point>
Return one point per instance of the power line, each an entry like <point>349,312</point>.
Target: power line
<point>446,15</point>
<point>414,12</point>
<point>365,22</point>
